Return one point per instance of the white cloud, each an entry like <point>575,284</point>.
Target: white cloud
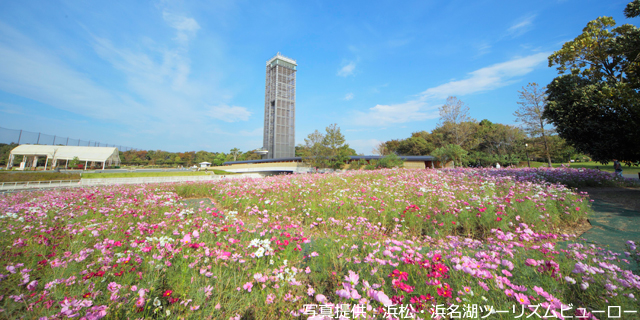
<point>483,48</point>
<point>488,78</point>
<point>186,27</point>
<point>30,71</point>
<point>425,107</point>
<point>157,96</point>
<point>229,114</point>
<point>521,26</point>
<point>11,108</point>
<point>347,70</point>
<point>349,96</point>
<point>415,110</point>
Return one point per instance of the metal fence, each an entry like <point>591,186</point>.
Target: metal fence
<point>27,137</point>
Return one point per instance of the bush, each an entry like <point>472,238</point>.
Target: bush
<point>390,161</point>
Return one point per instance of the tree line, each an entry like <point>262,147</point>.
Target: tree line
<point>468,142</point>
<point>165,158</point>
<point>158,157</point>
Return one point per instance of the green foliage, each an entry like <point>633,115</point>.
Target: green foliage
<point>599,119</point>
<point>235,152</point>
<point>5,150</point>
<point>326,150</point>
<point>596,107</point>
<point>390,161</point>
<point>372,165</point>
<point>356,165</point>
<point>633,9</point>
<point>219,159</point>
<point>74,162</point>
<point>450,152</point>
<point>414,146</point>
<point>314,153</point>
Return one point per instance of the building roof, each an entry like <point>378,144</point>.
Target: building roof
<point>283,58</point>
<point>299,159</point>
<point>99,154</point>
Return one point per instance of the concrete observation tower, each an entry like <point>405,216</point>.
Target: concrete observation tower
<point>280,108</point>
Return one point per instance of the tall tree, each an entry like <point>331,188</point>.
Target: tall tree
<point>337,151</point>
<point>333,139</point>
<point>234,152</point>
<point>533,98</point>
<point>454,115</point>
<point>596,107</point>
<point>380,149</point>
<point>314,149</point>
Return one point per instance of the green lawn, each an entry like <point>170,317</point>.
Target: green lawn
<point>12,176</point>
<point>151,174</point>
<point>591,165</point>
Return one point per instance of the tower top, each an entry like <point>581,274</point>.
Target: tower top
<point>279,56</point>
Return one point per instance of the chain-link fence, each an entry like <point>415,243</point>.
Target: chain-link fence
<point>27,137</point>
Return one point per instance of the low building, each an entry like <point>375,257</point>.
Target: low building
<point>104,156</point>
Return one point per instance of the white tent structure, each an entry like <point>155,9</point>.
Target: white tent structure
<point>108,156</point>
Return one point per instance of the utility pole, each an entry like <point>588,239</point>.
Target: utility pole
<point>526,150</point>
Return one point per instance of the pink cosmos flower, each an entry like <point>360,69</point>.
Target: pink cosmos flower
<point>186,239</point>
<point>522,299</point>
<point>343,293</point>
<point>321,298</point>
<point>247,286</point>
<point>32,285</point>
<point>352,278</point>
<point>270,298</point>
<point>140,302</point>
<point>113,287</point>
<point>380,297</point>
<point>508,292</point>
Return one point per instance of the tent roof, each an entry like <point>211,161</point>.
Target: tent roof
<point>68,152</point>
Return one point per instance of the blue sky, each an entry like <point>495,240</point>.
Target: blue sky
<point>190,75</point>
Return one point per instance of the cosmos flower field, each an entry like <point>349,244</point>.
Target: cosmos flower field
<point>359,244</point>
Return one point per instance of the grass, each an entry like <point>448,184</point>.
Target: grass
<point>152,174</point>
<point>12,176</point>
<point>590,165</point>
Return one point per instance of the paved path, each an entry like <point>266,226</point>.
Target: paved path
<point>612,226</point>
<point>630,176</point>
<point>34,185</point>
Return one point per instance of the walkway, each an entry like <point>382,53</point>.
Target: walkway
<point>34,185</point>
<point>613,224</point>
